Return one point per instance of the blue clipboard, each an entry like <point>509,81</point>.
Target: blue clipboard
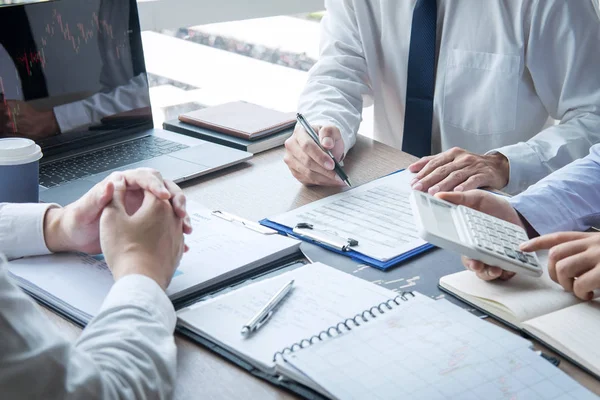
<point>382,265</point>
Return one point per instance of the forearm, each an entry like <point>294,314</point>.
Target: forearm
<point>337,83</point>
<point>550,150</point>
<point>127,351</point>
<point>567,200</point>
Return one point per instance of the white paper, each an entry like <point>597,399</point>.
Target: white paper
<point>433,351</point>
<point>321,297</point>
<point>377,214</point>
<point>219,247</point>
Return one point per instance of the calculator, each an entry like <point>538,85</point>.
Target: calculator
<point>474,234</point>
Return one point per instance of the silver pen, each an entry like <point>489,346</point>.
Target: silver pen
<point>267,311</point>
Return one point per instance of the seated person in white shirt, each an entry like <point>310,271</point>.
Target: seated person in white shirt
<point>127,351</point>
<point>504,71</point>
<point>559,207</point>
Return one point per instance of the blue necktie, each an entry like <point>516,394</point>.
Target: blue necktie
<point>421,80</point>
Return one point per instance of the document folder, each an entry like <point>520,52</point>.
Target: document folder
<point>349,251</point>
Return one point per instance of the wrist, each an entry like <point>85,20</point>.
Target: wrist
<point>529,229</point>
<point>55,235</point>
<point>131,263</point>
<point>501,165</point>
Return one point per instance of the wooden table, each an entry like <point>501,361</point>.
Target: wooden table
<point>264,187</point>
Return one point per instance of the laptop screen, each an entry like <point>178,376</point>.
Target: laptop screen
<point>72,70</point>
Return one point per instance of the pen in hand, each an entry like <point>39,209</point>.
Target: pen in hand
<point>313,135</point>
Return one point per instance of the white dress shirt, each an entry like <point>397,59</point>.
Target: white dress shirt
<point>126,352</point>
<point>567,200</point>
<point>505,70</point>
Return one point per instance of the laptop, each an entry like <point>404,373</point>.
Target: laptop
<point>73,78</point>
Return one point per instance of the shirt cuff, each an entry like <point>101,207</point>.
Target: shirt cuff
<point>143,292</point>
<point>71,116</point>
<point>22,229</point>
<point>525,167</point>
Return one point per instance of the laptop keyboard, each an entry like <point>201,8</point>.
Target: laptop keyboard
<point>96,162</point>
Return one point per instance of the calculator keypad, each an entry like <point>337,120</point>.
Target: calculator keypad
<point>497,237</point>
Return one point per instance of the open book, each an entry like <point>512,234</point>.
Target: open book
<point>75,285</point>
<point>539,307</point>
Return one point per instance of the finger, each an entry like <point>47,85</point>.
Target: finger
<point>567,249</point>
<point>304,144</point>
<point>308,176</point>
<point>572,267</point>
<point>547,241</point>
<point>150,207</point>
<point>474,182</point>
<point>178,198</point>
<point>146,179</point>
<point>418,165</point>
<point>445,178</point>
<point>119,196</point>
<point>585,285</point>
<point>471,199</point>
<point>95,201</point>
<point>328,135</point>
<point>471,265</point>
<point>187,225</point>
<point>490,273</point>
<point>436,162</point>
<point>307,161</point>
<point>506,275</point>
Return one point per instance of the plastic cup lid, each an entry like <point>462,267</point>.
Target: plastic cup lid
<point>17,151</point>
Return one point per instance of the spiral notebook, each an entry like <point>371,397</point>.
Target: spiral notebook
<point>315,339</point>
<point>321,299</point>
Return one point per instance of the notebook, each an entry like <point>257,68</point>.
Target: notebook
<point>251,146</point>
<point>322,296</point>
<point>430,350</point>
<point>327,306</point>
<point>539,307</point>
<point>221,251</point>
<point>241,119</point>
<point>377,215</point>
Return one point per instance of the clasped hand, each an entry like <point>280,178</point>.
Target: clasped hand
<point>136,218</point>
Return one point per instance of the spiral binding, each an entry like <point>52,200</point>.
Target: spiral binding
<point>347,325</point>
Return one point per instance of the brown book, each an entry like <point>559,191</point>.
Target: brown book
<point>244,120</point>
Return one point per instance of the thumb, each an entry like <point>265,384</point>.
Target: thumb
<point>148,206</point>
<point>471,198</point>
<point>329,135</point>
<point>119,195</point>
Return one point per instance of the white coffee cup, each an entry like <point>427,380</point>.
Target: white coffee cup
<point>19,170</point>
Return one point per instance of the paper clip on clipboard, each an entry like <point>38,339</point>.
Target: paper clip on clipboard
<point>306,230</point>
<point>255,226</point>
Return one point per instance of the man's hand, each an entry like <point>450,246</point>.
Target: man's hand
<point>307,162</point>
<point>492,205</point>
<point>148,242</point>
<point>76,227</point>
<point>573,260</point>
<point>458,170</point>
<point>18,118</point>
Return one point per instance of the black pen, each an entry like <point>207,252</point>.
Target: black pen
<point>311,132</point>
